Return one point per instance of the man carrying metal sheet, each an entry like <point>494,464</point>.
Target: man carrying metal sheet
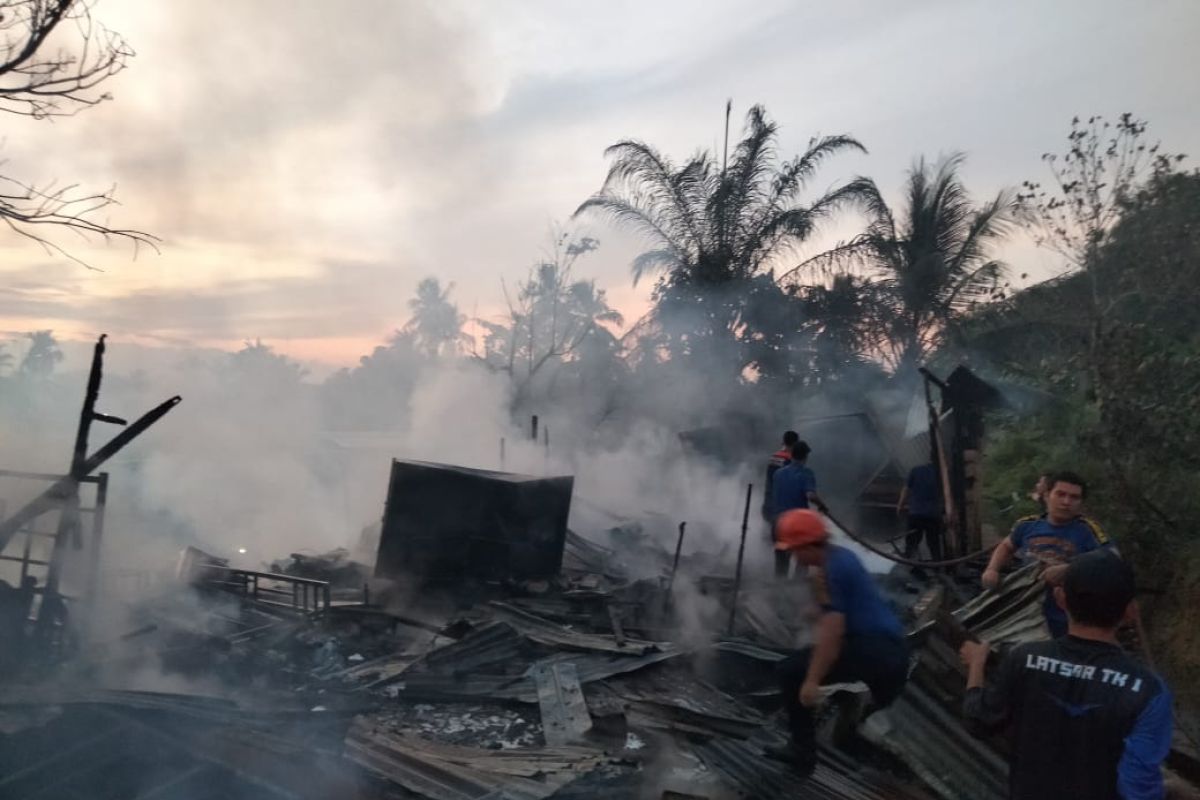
<point>1054,538</point>
<point>1088,720</point>
<point>857,638</point>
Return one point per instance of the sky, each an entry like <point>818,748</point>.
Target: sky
<point>305,164</point>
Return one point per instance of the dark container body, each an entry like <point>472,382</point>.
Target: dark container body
<point>443,523</point>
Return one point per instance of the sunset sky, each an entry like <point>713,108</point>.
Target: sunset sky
<point>306,164</point>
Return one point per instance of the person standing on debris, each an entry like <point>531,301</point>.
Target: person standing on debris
<point>1054,538</point>
<point>921,498</point>
<point>1088,720</point>
<point>779,459</point>
<point>793,486</point>
<point>857,637</point>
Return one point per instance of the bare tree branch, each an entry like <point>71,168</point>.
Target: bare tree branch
<point>53,58</point>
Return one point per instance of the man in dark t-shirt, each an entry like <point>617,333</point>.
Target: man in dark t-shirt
<point>921,498</point>
<point>1087,720</point>
<point>778,460</point>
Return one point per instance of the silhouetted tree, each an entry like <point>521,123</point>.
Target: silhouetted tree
<point>258,364</point>
<point>715,226</point>
<point>552,317</point>
<point>375,394</point>
<point>42,356</point>
<point>53,58</point>
<point>436,324</point>
<point>928,265</point>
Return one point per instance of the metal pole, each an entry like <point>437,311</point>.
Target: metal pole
<point>737,577</point>
<point>501,452</point>
<point>674,566</point>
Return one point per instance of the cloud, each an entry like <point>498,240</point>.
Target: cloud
<point>267,141</point>
<point>339,298</point>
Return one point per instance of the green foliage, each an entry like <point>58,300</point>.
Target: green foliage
<point>1091,183</point>
<point>1117,343</point>
<point>714,230</point>
<point>923,268</point>
<point>1022,448</point>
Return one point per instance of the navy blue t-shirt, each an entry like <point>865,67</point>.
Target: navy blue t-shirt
<point>1087,721</point>
<point>924,492</point>
<point>790,487</point>
<point>844,585</point>
<point>1039,538</point>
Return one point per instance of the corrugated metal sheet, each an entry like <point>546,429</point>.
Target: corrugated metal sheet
<point>554,635</point>
<point>1010,615</point>
<point>936,745</point>
<point>495,660</point>
<point>754,775</point>
<point>446,772</point>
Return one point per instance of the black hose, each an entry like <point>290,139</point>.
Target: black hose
<point>909,562</point>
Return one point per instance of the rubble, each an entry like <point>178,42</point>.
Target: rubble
<point>605,676</point>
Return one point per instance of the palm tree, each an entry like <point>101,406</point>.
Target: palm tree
<point>715,226</point>
<point>42,356</point>
<point>436,324</point>
<point>842,320</point>
<point>929,266</point>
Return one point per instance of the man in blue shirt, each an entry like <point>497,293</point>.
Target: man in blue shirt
<point>857,637</point>
<point>795,485</point>
<point>1053,538</point>
<point>779,459</point>
<point>921,497</point>
<point>1087,720</point>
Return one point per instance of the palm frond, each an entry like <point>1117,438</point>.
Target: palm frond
<point>797,172</point>
<point>625,213</point>
<point>654,261</point>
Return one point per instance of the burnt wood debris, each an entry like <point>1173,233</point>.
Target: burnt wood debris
<point>489,644</point>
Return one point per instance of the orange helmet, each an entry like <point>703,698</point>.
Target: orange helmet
<point>799,527</point>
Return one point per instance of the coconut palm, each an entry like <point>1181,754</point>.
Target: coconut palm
<point>715,226</point>
<point>42,356</point>
<point>436,324</point>
<point>929,265</point>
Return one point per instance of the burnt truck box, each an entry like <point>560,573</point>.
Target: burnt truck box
<point>443,523</point>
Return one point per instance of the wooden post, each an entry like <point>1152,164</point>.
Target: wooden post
<point>737,577</point>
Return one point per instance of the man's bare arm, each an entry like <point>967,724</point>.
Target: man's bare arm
<point>1000,556</point>
<point>831,630</point>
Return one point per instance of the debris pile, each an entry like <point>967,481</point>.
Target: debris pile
<point>591,681</point>
<point>489,653</point>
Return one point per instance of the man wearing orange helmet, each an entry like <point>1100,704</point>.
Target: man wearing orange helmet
<point>857,637</point>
